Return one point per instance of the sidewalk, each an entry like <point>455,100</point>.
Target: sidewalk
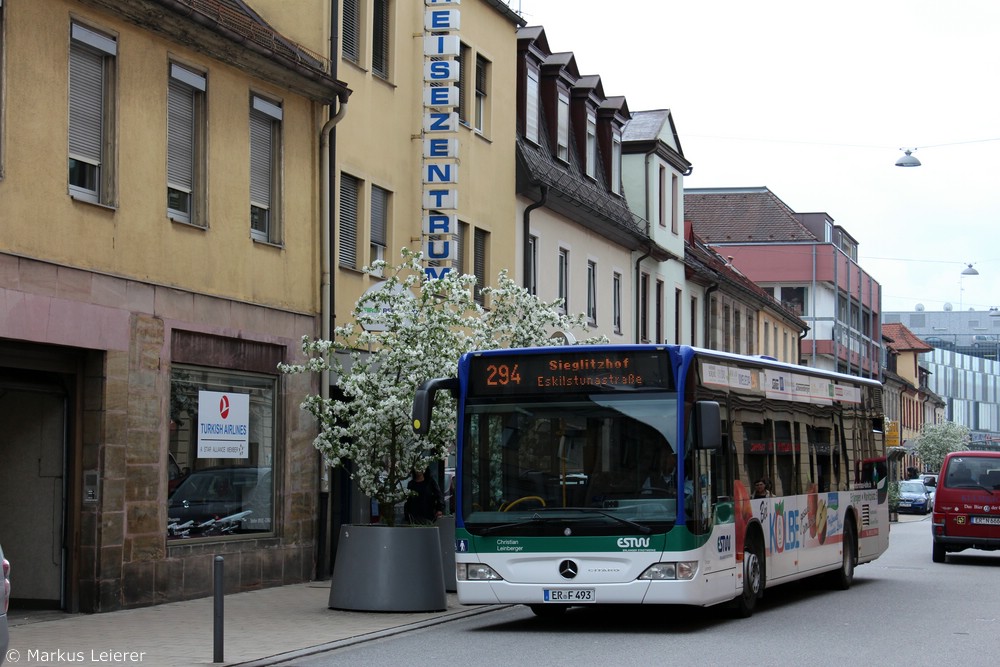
<point>261,628</point>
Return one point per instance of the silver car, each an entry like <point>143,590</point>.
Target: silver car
<point>4,599</point>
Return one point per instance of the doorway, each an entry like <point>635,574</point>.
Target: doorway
<point>33,445</point>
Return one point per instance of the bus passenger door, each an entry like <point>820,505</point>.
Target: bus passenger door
<point>713,514</point>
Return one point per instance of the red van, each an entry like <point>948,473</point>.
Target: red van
<point>967,503</point>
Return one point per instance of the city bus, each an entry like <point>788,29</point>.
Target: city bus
<point>621,474</point>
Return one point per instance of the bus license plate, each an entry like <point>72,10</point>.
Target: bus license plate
<point>578,595</point>
<point>986,520</point>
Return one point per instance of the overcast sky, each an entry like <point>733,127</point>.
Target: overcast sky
<point>814,101</point>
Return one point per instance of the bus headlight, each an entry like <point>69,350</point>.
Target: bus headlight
<point>476,572</point>
<point>683,570</point>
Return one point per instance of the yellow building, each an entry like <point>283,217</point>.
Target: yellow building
<point>160,205</point>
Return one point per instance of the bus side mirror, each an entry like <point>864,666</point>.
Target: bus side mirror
<point>423,402</point>
<point>707,425</point>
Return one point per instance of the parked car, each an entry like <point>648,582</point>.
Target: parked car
<point>915,497</point>
<point>938,342</point>
<point>984,340</point>
<point>967,504</point>
<point>4,601</point>
<point>929,479</point>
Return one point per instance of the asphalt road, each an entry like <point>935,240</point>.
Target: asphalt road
<point>902,610</point>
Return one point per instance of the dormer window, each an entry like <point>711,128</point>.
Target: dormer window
<point>616,161</point>
<point>591,156</point>
<point>531,107</point>
<point>562,130</point>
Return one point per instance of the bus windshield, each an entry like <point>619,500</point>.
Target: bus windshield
<point>585,464</point>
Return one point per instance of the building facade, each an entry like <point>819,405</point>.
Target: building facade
<point>158,191</point>
<point>804,261</point>
<point>962,366</point>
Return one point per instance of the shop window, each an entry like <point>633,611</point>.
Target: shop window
<point>222,454</point>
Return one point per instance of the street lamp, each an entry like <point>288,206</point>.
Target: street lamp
<point>908,160</point>
<point>967,271</point>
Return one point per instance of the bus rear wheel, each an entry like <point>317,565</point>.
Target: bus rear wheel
<point>842,578</point>
<point>753,579</point>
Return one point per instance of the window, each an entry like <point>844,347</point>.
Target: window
<point>350,47</point>
<point>479,250</point>
<point>767,338</point>
<point>350,195</point>
<point>482,81</point>
<point>591,157</point>
<point>532,271</point>
<point>616,298</point>
<point>795,299</point>
<point>265,168</point>
<point>237,491</point>
<point>675,208</point>
<point>644,307</point>
<point>616,161</point>
<point>562,129</point>
<point>91,115</point>
<point>463,235</point>
<point>564,279</point>
<point>662,213</point>
<point>531,107</point>
<point>380,38</point>
<point>660,296</point>
<point>185,145</point>
<point>678,305</point>
<point>694,321</point>
<point>379,226</point>
<point>592,293</point>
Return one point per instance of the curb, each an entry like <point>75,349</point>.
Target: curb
<point>368,636</point>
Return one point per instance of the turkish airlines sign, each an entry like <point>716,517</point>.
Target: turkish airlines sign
<point>223,425</point>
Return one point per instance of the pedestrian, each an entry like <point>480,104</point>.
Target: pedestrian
<point>761,489</point>
<point>425,503</point>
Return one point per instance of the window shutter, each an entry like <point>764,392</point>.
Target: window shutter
<point>479,261</point>
<point>260,159</point>
<point>380,200</point>
<point>480,75</point>
<point>380,39</point>
<point>348,252</point>
<point>350,46</point>
<point>86,103</point>
<point>180,135</point>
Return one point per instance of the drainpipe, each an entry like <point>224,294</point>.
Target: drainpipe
<point>326,314</point>
<point>526,240</point>
<point>638,289</point>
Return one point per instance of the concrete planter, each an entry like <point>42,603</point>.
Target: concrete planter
<point>382,568</point>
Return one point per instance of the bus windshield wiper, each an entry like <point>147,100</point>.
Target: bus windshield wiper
<point>645,530</point>
<point>515,524</point>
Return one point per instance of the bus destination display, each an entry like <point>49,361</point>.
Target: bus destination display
<point>569,371</point>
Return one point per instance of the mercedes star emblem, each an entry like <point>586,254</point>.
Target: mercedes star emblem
<point>568,569</point>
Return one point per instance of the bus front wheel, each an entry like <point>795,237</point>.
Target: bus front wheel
<point>753,579</point>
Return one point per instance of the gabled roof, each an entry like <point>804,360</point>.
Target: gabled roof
<point>742,215</point>
<point>902,339</point>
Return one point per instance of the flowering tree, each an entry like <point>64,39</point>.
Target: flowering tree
<point>409,330</point>
<point>936,440</point>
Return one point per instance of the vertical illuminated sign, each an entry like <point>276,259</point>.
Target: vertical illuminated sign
<point>439,166</point>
